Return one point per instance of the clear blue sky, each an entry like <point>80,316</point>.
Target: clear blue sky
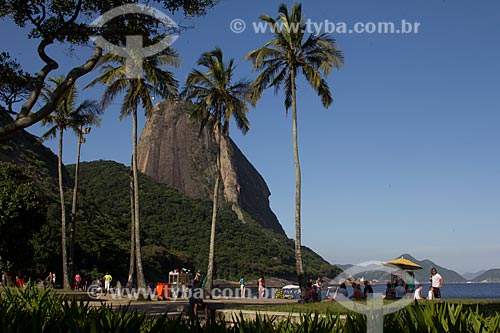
<point>405,160</point>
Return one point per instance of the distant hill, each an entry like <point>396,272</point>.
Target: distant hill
<point>421,275</point>
<point>424,273</point>
<point>472,275</point>
<point>344,266</point>
<point>491,275</point>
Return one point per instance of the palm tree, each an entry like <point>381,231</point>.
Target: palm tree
<point>280,60</point>
<point>216,100</point>
<point>65,116</point>
<point>139,90</point>
<point>89,117</point>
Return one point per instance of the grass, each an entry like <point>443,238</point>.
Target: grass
<point>38,310</point>
<point>485,307</point>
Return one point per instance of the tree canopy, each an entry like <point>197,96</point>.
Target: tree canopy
<point>23,212</point>
<point>15,84</point>
<point>67,22</point>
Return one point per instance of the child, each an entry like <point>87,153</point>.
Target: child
<point>430,295</point>
<point>418,292</point>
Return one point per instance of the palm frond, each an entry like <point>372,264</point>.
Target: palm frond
<point>314,56</point>
<point>216,98</point>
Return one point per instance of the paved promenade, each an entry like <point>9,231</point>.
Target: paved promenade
<point>179,305</point>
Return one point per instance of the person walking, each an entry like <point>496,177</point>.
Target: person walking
<point>196,296</point>
<point>437,282</point>
<point>107,282</point>
<point>242,287</point>
<point>262,287</point>
<point>49,280</point>
<point>78,281</point>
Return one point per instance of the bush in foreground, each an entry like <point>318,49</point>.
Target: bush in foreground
<point>39,310</point>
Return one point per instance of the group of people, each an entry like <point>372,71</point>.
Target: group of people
<point>50,280</point>
<point>357,293</point>
<point>261,287</point>
<point>104,281</point>
<point>312,292</point>
<point>402,288</point>
<point>81,283</point>
<point>434,292</point>
<point>397,290</point>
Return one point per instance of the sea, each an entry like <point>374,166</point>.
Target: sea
<point>479,291</point>
<point>457,290</point>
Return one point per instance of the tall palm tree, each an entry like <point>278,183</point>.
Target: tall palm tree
<point>280,60</point>
<point>217,99</point>
<point>137,91</point>
<point>91,117</point>
<point>65,116</point>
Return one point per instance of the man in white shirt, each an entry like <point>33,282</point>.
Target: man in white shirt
<point>436,282</point>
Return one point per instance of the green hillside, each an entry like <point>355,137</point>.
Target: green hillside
<point>491,275</point>
<point>26,151</point>
<point>175,232</point>
<point>175,228</point>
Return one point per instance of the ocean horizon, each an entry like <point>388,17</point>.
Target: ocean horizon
<point>457,290</point>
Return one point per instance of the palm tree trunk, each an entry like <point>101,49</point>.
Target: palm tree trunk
<point>63,213</point>
<point>298,250</point>
<point>131,268</point>
<point>141,283</point>
<point>73,209</point>
<point>211,252</point>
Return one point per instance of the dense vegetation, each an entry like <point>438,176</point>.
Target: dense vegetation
<point>22,211</point>
<point>175,233</point>
<point>39,310</point>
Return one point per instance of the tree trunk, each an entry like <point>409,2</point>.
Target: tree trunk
<point>211,252</point>
<point>141,283</point>
<point>298,250</point>
<point>63,213</point>
<point>73,209</point>
<point>131,269</point>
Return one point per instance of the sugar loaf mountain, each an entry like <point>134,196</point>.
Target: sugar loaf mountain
<point>177,165</point>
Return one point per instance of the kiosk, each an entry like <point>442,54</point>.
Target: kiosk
<point>178,283</point>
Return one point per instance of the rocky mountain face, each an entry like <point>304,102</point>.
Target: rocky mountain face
<point>172,151</point>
